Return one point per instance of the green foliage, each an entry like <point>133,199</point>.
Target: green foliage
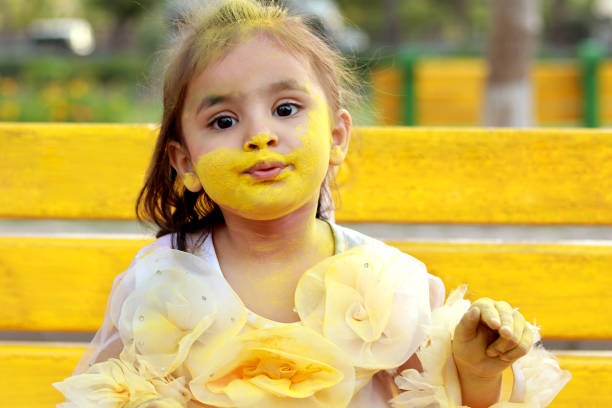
<point>40,70</point>
<point>71,89</point>
<point>76,101</point>
<point>464,24</point>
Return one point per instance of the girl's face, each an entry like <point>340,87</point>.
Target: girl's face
<point>258,132</point>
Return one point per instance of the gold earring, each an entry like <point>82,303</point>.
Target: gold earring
<point>336,153</point>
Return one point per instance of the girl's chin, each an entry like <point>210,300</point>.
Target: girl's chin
<point>266,211</point>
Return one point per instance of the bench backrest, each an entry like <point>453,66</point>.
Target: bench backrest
<point>398,175</point>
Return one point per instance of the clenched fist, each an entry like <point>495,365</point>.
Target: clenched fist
<point>490,336</point>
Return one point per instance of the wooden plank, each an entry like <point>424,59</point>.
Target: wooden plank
<point>605,96</point>
<point>590,384</point>
<point>558,92</point>
<point>544,176</point>
<point>27,371</point>
<point>63,284</point>
<point>387,95</point>
<point>51,284</point>
<point>438,175</point>
<point>72,170</point>
<point>457,84</point>
<point>546,282</point>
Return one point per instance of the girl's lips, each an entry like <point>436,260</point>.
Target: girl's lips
<point>265,171</point>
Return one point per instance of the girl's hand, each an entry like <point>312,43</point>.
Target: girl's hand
<point>489,338</point>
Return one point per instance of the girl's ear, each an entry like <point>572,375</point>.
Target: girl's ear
<point>341,135</point>
<point>181,162</point>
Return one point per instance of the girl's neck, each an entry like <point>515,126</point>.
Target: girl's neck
<point>279,239</point>
<point>269,257</point>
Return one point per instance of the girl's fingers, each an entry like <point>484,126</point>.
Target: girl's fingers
<point>505,343</point>
<point>489,314</point>
<point>467,327</point>
<point>523,347</point>
<point>507,319</point>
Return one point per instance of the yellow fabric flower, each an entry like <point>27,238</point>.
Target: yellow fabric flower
<point>286,366</point>
<point>109,384</point>
<point>371,301</point>
<point>179,299</point>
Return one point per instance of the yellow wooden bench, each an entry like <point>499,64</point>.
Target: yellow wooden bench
<point>450,91</point>
<point>440,176</point>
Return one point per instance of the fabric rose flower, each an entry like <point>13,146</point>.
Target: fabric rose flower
<point>111,384</point>
<point>284,367</point>
<point>179,300</point>
<point>371,301</point>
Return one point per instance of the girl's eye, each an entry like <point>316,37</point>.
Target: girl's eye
<point>286,109</point>
<point>224,122</point>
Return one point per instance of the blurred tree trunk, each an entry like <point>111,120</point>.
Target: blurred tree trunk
<point>122,35</point>
<point>515,29</point>
<point>560,16</point>
<point>392,31</point>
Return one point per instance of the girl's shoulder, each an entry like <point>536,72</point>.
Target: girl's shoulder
<point>194,243</point>
<point>347,238</point>
<point>165,241</point>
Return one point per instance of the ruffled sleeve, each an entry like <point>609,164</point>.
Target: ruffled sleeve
<point>537,375</point>
<point>165,305</point>
<point>107,342</point>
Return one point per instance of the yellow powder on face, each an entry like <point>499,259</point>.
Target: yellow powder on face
<point>222,171</point>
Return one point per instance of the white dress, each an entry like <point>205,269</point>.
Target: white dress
<point>108,343</point>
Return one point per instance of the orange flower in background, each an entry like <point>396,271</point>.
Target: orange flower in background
<point>9,110</point>
<point>179,300</point>
<point>283,366</point>
<point>78,88</point>
<point>8,86</point>
<point>371,301</point>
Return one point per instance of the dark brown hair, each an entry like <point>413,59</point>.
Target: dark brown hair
<point>202,38</point>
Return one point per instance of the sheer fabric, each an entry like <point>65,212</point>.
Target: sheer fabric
<point>370,392</point>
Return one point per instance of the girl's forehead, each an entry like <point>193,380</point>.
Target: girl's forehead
<point>252,64</point>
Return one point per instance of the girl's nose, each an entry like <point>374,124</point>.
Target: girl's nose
<point>260,141</point>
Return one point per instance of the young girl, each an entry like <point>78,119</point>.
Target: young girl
<point>251,296</point>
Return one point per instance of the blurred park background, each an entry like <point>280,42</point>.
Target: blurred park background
<point>424,62</point>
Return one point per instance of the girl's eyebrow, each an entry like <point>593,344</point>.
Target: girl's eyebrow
<point>285,84</point>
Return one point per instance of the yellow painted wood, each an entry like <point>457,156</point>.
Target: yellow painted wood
<point>605,92</point>
<point>72,171</point>
<point>557,93</point>
<point>590,384</point>
<point>63,284</point>
<point>543,176</point>
<point>59,284</point>
<point>564,288</point>
<point>438,175</point>
<point>458,86</point>
<point>386,95</point>
<point>27,371</point>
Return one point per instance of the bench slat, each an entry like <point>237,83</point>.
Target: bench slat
<point>478,176</point>
<point>27,371</point>
<point>49,284</point>
<point>565,288</point>
<point>72,171</point>
<point>392,174</point>
<point>63,284</point>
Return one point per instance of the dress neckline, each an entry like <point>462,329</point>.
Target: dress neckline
<point>207,252</point>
